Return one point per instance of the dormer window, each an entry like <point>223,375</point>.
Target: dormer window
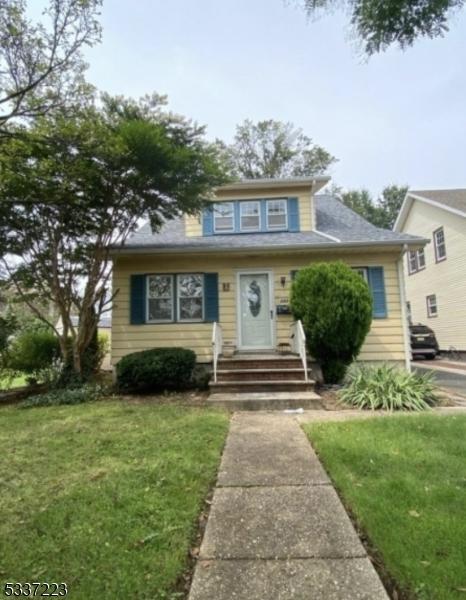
<point>250,216</point>
<point>277,214</point>
<point>224,217</point>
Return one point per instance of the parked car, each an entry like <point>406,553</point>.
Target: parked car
<point>423,341</point>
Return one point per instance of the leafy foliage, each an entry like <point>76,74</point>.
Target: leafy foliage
<point>156,369</point>
<point>32,351</point>
<point>335,307</point>
<point>59,396</point>
<point>275,149</point>
<point>382,212</point>
<point>75,187</point>
<point>380,24</point>
<point>41,66</point>
<point>389,388</point>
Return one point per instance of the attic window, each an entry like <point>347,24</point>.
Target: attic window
<point>277,214</point>
<point>224,221</point>
<point>250,216</point>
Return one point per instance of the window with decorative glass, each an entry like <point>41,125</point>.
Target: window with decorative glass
<point>277,214</point>
<point>224,217</point>
<point>160,298</point>
<point>250,216</point>
<point>190,297</point>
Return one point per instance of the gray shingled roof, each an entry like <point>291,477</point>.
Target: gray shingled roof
<point>333,218</point>
<point>452,198</point>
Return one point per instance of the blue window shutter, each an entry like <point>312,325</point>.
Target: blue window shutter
<point>237,217</point>
<point>377,286</point>
<point>137,299</point>
<point>211,297</point>
<point>208,221</point>
<point>293,214</point>
<point>263,209</point>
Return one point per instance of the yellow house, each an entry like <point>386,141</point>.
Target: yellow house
<point>234,264</point>
<point>436,275</point>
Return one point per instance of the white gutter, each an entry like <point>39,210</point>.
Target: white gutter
<point>276,248</point>
<point>404,312</point>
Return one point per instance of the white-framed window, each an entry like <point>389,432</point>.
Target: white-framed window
<point>421,259</point>
<point>190,297</point>
<point>160,298</point>
<point>416,261</point>
<point>363,272</point>
<point>439,245</point>
<point>250,215</point>
<point>224,217</point>
<point>277,214</point>
<point>432,308</point>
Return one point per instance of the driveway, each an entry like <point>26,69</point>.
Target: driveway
<point>448,374</point>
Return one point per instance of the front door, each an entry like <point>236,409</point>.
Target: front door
<point>255,311</point>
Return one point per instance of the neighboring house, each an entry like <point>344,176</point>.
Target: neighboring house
<point>234,265</point>
<point>104,328</point>
<point>436,275</point>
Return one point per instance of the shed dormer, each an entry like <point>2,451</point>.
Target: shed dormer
<point>259,206</point>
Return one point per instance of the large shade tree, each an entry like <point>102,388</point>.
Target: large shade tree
<point>275,149</point>
<point>41,64</point>
<point>74,187</point>
<point>381,212</point>
<point>382,23</point>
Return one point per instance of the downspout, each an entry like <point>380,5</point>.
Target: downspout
<point>404,314</point>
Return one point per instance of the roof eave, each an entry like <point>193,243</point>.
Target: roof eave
<point>289,247</point>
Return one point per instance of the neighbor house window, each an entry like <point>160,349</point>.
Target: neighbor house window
<point>160,298</point>
<point>416,261</point>
<point>224,217</point>
<point>277,214</point>
<point>250,216</point>
<point>432,308</point>
<point>439,245</point>
<point>190,297</point>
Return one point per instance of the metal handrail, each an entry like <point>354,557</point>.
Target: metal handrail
<point>298,344</point>
<point>217,345</point>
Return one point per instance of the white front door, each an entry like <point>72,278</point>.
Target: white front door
<point>255,311</point>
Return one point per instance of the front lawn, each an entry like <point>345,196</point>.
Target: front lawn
<point>104,496</point>
<point>404,480</point>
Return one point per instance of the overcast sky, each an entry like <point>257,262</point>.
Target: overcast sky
<point>398,118</point>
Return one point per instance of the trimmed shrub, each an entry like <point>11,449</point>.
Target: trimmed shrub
<point>335,306</point>
<point>33,351</point>
<point>156,370</point>
<point>56,397</point>
<point>388,388</point>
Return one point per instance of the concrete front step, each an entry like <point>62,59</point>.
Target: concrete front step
<point>260,374</point>
<point>266,401</point>
<point>261,385</point>
<point>259,362</point>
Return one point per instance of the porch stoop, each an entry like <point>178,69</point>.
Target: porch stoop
<point>262,382</point>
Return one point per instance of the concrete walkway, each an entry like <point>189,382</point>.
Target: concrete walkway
<point>277,529</point>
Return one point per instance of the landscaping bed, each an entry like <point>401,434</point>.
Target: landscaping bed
<point>403,479</point>
<point>105,496</point>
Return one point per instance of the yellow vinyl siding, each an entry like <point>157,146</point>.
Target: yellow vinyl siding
<point>446,279</point>
<point>384,342</point>
<point>193,223</point>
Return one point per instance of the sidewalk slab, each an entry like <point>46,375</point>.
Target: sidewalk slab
<point>309,579</point>
<point>274,452</point>
<point>279,522</point>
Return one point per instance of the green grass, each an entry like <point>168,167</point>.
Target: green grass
<point>9,384</point>
<point>104,496</point>
<point>404,479</point>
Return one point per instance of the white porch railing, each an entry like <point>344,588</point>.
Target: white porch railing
<point>217,345</point>
<point>298,344</point>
